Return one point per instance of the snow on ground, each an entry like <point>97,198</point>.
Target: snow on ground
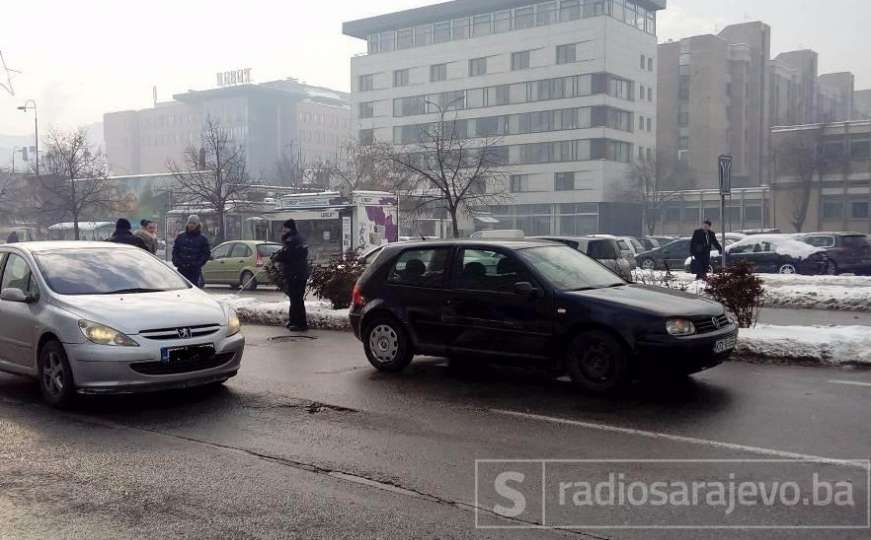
<point>839,293</point>
<point>256,311</point>
<point>830,345</point>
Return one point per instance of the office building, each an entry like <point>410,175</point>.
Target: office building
<point>568,86</point>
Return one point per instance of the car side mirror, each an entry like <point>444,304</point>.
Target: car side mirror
<point>525,288</point>
<point>16,295</point>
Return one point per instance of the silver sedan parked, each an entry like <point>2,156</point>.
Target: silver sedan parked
<point>99,318</point>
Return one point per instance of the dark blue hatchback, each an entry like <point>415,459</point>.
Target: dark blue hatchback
<point>531,302</point>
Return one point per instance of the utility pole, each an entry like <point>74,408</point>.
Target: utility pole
<point>31,105</point>
<point>724,166</point>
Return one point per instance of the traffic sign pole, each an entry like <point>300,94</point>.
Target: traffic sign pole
<point>724,166</point>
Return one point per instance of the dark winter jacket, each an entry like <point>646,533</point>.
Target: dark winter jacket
<point>294,255</point>
<point>191,250</point>
<point>12,238</point>
<point>702,244</point>
<point>124,236</point>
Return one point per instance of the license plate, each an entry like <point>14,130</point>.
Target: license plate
<point>185,353</point>
<point>724,345</point>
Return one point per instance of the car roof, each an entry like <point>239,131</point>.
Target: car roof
<point>510,244</point>
<point>249,242</point>
<point>37,247</point>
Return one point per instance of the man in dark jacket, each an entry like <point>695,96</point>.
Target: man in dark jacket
<point>704,240</point>
<point>294,260</point>
<point>122,235</point>
<point>191,251</point>
<point>12,238</point>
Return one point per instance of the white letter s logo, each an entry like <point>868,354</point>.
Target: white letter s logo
<point>516,497</point>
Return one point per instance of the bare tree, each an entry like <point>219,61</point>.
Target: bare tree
<point>649,189</point>
<point>369,167</point>
<point>214,174</point>
<point>290,169</point>
<point>801,154</point>
<point>75,184</point>
<point>452,169</point>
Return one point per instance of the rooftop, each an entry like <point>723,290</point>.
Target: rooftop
<point>361,28</point>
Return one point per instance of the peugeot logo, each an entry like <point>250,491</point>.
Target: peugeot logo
<point>184,333</point>
<point>716,322</point>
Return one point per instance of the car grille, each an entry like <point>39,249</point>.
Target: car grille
<point>706,325</point>
<point>182,366</point>
<point>189,332</point>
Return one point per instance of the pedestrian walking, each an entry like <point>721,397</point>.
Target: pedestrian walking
<point>704,240</point>
<point>12,238</point>
<point>122,235</point>
<point>148,234</point>
<point>191,251</point>
<point>295,265</point>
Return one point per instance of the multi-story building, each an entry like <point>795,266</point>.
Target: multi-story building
<point>804,66</point>
<point>835,102</point>
<point>269,120</point>
<point>568,86</point>
<point>862,104</point>
<point>713,99</point>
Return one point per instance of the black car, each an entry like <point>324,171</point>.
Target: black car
<point>532,302</point>
<point>777,254</point>
<point>850,252</point>
<point>672,256</point>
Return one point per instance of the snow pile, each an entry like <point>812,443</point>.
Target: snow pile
<point>789,247</point>
<point>254,311</point>
<point>830,345</point>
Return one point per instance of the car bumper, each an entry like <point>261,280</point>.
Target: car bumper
<point>356,319</point>
<point>99,369</point>
<point>686,354</point>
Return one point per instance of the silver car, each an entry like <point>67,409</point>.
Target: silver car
<point>99,318</point>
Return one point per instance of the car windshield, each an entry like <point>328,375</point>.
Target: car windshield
<point>569,270</point>
<point>267,250</point>
<point>106,271</point>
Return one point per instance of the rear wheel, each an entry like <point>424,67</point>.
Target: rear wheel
<point>598,362</point>
<point>387,345</point>
<point>55,376</point>
<point>247,282</point>
<point>787,269</point>
<point>648,264</point>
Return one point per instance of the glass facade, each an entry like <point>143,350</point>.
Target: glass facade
<point>520,18</point>
<point>571,219</point>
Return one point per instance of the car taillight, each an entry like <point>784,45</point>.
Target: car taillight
<point>357,297</point>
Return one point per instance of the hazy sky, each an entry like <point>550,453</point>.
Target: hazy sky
<point>81,59</point>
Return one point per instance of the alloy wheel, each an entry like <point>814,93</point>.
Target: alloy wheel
<point>787,269</point>
<point>53,374</point>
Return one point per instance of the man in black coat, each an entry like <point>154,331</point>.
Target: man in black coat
<point>294,260</point>
<point>191,251</point>
<point>12,238</point>
<point>122,235</point>
<point>704,240</point>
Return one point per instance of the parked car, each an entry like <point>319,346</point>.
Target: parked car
<point>777,254</point>
<point>649,243</point>
<point>627,251</point>
<point>634,244</point>
<point>97,318</point>
<point>239,263</point>
<point>604,250</point>
<point>850,252</point>
<point>671,255</point>
<point>540,304</point>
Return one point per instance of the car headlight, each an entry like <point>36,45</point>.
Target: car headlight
<point>680,327</point>
<point>234,326</point>
<point>104,335</point>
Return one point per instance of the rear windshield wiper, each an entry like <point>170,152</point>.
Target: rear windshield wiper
<point>133,291</point>
<point>579,289</point>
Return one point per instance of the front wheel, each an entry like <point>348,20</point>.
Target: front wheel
<point>247,282</point>
<point>55,376</point>
<point>387,345</point>
<point>787,269</point>
<point>648,264</point>
<point>598,362</point>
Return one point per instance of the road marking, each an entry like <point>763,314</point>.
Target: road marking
<point>850,383</point>
<point>684,439</point>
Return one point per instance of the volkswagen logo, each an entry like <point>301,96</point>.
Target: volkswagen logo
<point>184,333</point>
<point>716,321</point>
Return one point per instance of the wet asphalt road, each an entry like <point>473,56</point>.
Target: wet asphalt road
<point>310,442</point>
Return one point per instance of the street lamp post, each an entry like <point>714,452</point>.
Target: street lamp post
<point>28,105</point>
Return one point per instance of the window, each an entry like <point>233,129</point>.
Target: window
<point>649,94</point>
<point>684,87</point>
<point>441,32</point>
<point>820,241</point>
<point>640,123</point>
<point>859,210</point>
<point>367,109</point>
<point>643,61</point>
<point>567,54</point>
<point>366,136</point>
<point>650,64</point>
<point>420,268</point>
<point>683,143</point>
<point>683,114</point>
<point>400,78</point>
<point>524,17</point>
<point>460,29</point>
<point>17,275</point>
<point>519,60</point>
<point>833,209</point>
<point>477,67</point>
<point>641,93</point>
<point>546,13</point>
<point>564,181</point>
<point>860,150</point>
<point>423,35</point>
<point>222,251</point>
<point>487,270</point>
<point>405,38</point>
<point>519,183</point>
<point>481,25</point>
<point>366,83</point>
<point>649,125</point>
<point>502,21</point>
<point>569,10</point>
<point>438,72</point>
<point>241,251</point>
